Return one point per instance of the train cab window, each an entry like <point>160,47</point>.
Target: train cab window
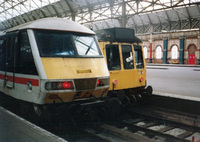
<point>53,43</point>
<point>127,55</point>
<point>65,44</point>
<point>113,58</point>
<point>138,57</point>
<point>24,58</point>
<point>86,45</point>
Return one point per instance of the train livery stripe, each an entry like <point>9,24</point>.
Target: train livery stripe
<point>21,80</point>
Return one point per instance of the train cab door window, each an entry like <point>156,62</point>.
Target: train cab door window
<point>2,54</point>
<point>138,57</point>
<point>10,44</point>
<point>113,58</point>
<point>24,58</point>
<point>127,55</point>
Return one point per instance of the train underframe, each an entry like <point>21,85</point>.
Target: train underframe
<point>131,95</point>
<point>95,110</point>
<point>86,110</point>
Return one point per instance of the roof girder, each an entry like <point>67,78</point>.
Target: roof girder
<point>101,10</point>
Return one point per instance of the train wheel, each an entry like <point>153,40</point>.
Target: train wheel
<point>122,97</point>
<point>149,90</point>
<point>27,112</point>
<point>3,100</point>
<point>113,108</point>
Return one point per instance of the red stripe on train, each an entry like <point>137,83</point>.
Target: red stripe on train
<point>21,80</point>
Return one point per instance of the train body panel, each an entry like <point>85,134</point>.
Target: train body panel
<point>124,56</point>
<point>73,96</point>
<point>21,89</point>
<point>52,61</point>
<point>126,79</point>
<point>122,74</point>
<point>67,68</point>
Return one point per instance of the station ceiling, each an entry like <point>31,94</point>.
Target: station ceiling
<point>145,16</point>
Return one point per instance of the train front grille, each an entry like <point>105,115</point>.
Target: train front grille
<point>85,84</point>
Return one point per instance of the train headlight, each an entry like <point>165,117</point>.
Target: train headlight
<point>102,82</point>
<point>66,85</point>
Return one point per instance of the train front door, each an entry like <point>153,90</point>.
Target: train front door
<point>10,44</point>
<point>191,59</point>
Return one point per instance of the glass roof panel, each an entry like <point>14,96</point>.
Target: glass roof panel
<point>13,8</point>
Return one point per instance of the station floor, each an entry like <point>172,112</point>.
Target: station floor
<point>178,81</point>
<point>16,129</point>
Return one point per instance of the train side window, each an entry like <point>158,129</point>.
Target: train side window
<point>127,55</point>
<point>24,63</point>
<point>113,58</point>
<point>138,57</point>
<point>2,54</point>
<point>25,48</point>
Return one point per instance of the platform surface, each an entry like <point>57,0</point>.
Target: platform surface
<point>179,81</point>
<point>16,129</point>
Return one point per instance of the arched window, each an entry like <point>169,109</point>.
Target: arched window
<point>174,52</point>
<point>158,52</point>
<point>145,52</point>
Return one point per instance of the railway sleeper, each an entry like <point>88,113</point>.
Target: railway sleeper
<point>152,133</point>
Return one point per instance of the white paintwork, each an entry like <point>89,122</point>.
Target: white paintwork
<point>20,91</point>
<point>36,55</point>
<point>54,23</point>
<point>38,93</point>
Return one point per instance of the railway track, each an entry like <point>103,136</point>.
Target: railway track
<point>140,123</point>
<point>142,129</point>
<point>139,126</point>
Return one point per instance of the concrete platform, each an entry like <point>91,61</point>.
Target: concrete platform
<point>174,80</point>
<point>16,129</point>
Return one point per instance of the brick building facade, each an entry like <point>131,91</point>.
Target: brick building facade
<point>174,47</point>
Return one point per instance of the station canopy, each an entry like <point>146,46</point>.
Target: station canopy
<point>145,16</point>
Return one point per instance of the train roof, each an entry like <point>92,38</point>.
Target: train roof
<point>117,35</point>
<point>54,23</point>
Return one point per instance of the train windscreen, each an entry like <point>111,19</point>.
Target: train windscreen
<point>138,57</point>
<point>57,43</point>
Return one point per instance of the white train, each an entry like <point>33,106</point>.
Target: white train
<point>50,63</point>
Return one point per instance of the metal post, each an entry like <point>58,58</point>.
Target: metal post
<point>199,48</point>
<point>181,52</point>
<point>150,60</point>
<point>73,16</point>
<point>165,44</point>
<point>123,14</point>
